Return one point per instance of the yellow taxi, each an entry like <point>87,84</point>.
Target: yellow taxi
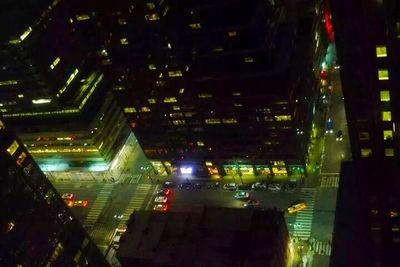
<point>297,207</point>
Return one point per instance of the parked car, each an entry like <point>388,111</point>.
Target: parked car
<point>80,203</point>
<point>164,192</point>
<point>290,187</point>
<point>198,186</point>
<point>169,184</point>
<point>251,203</point>
<point>186,185</point>
<point>161,199</point>
<point>68,196</point>
<point>244,186</point>
<point>242,195</point>
<point>230,186</point>
<point>160,207</point>
<point>274,187</point>
<point>258,186</point>
<point>213,185</point>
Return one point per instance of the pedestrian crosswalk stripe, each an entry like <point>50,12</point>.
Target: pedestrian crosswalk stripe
<point>321,247</point>
<point>329,181</point>
<point>304,218</point>
<point>98,205</point>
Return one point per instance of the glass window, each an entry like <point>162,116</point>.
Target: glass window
<point>229,120</point>
<point>124,41</point>
<point>153,16</point>
<point>204,95</point>
<point>195,26</point>
<point>178,122</point>
<point>152,66</point>
<point>232,33</point>
<point>129,110</point>
<point>387,134</point>
<point>249,59</point>
<point>397,28</point>
<point>213,121</point>
<point>145,109</point>
<point>200,143</point>
<point>366,152</point>
<point>387,116</point>
<point>151,6</point>
<point>12,148</point>
<point>383,74</point>
<point>283,117</point>
<point>363,136</point>
<point>176,73</point>
<point>170,100</point>
<point>381,51</point>
<point>122,21</point>
<point>389,152</point>
<point>151,100</point>
<point>385,96</point>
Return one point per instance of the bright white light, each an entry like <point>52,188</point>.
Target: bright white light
<point>186,170</point>
<point>41,101</point>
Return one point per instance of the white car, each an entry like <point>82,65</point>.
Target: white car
<point>242,195</point>
<point>161,199</point>
<point>68,196</point>
<point>230,186</point>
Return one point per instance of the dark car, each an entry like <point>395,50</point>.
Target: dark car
<point>198,186</point>
<point>186,185</point>
<point>168,184</point>
<point>244,186</point>
<point>213,185</point>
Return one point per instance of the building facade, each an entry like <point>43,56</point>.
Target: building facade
<point>37,228</point>
<point>369,71</point>
<point>52,89</point>
<point>213,87</point>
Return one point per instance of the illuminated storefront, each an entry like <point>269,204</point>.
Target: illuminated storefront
<point>159,168</point>
<point>263,169</point>
<point>212,169</point>
<point>279,168</point>
<point>244,169</point>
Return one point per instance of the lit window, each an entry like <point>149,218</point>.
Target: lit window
<point>385,96</point>
<point>387,116</point>
<point>151,101</point>
<point>152,67</point>
<point>170,100</point>
<point>236,93</point>
<point>153,16</point>
<point>12,148</point>
<point>181,90</point>
<point>397,29</point>
<point>124,41</point>
<point>2,125</point>
<point>82,17</point>
<point>41,101</point>
<point>383,74</point>
<point>381,51</point>
<point>55,63</point>
<point>145,109</point>
<point>248,59</point>
<point>21,158</point>
<point>176,115</point>
<point>151,6</point>
<point>176,108</point>
<point>238,105</point>
<point>389,152</point>
<point>9,82</point>
<point>176,73</point>
<point>195,26</point>
<point>213,121</point>
<point>122,21</point>
<point>20,96</point>
<point>283,117</point>
<point>200,143</point>
<point>387,134</point>
<point>363,136</point>
<point>118,87</point>
<point>130,110</point>
<point>232,33</point>
<point>189,114</point>
<point>204,95</point>
<point>366,152</point>
<point>229,120</point>
<point>178,122</point>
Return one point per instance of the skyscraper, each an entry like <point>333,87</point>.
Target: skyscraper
<point>213,87</point>
<point>367,216</point>
<point>37,228</point>
<point>52,89</point>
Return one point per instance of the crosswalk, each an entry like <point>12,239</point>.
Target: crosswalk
<point>329,180</point>
<point>304,218</point>
<point>136,202</point>
<point>98,205</point>
<point>320,247</point>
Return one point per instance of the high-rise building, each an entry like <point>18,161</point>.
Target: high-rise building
<point>208,236</point>
<point>213,87</point>
<point>36,226</point>
<point>366,231</point>
<point>52,90</point>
